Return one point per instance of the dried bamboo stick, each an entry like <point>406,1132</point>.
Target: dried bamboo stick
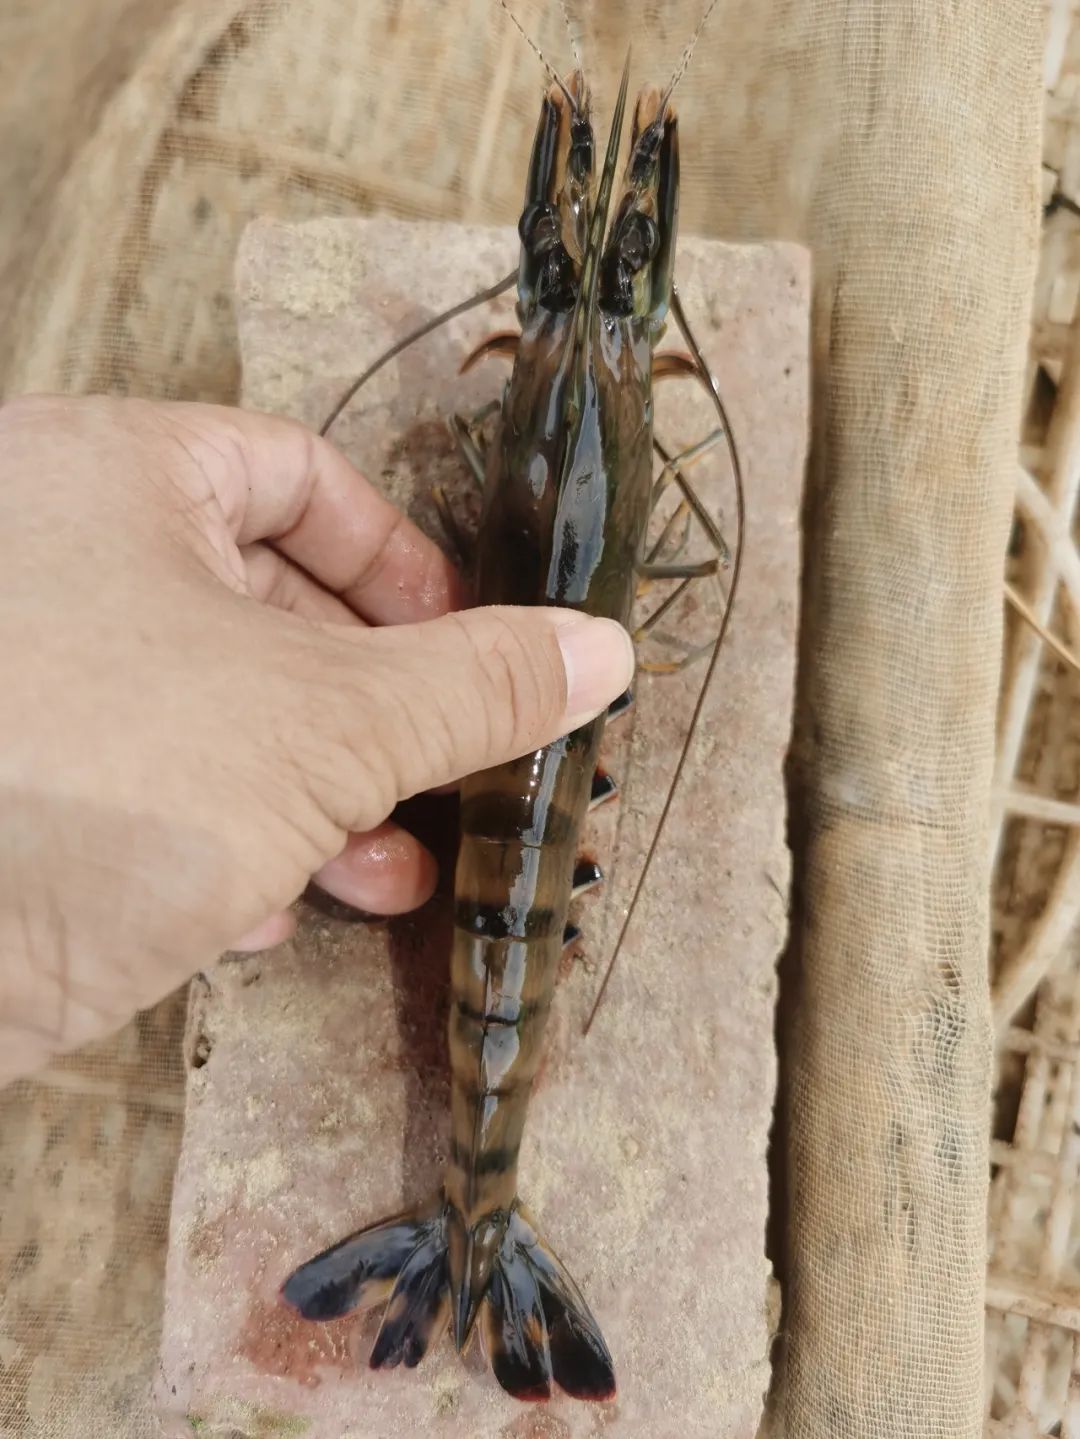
<point>1062,489</point>
<point>1045,1304</point>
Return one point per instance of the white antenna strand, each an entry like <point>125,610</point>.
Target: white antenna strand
<point>680,70</point>
<point>553,74</point>
<point>574,50</point>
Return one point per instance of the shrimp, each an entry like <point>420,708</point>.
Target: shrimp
<point>568,495</point>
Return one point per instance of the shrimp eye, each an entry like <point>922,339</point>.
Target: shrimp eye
<point>541,234</point>
<point>639,241</point>
<point>633,246</point>
<point>556,287</point>
<point>539,228</point>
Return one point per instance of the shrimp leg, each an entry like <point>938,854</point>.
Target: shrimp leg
<point>470,449</point>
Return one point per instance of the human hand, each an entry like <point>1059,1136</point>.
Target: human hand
<point>227,659</point>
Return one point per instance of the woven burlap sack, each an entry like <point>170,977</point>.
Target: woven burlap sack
<point>60,64</point>
<point>900,141</point>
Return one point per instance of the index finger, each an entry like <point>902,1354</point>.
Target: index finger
<point>276,481</point>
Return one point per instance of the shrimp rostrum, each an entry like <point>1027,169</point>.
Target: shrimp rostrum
<point>568,494</point>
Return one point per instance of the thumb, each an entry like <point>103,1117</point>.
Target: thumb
<point>415,706</point>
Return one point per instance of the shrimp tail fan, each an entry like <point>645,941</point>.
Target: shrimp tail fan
<point>536,1329</point>
<point>401,1262</point>
<point>535,1324</point>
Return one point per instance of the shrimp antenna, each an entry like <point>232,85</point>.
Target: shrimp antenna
<point>574,50</point>
<point>553,74</point>
<point>410,339</point>
<point>740,505</point>
<point>680,69</point>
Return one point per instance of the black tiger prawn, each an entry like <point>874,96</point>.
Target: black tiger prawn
<point>568,496</point>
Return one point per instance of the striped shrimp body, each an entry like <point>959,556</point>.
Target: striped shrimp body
<point>568,495</point>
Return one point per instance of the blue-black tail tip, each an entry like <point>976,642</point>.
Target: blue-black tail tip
<point>536,1329</point>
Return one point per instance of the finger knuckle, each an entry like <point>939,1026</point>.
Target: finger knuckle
<point>521,684</point>
<point>222,451</point>
<point>372,567</point>
<point>304,449</point>
<point>351,754</point>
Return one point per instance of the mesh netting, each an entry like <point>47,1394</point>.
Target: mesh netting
<point>900,141</point>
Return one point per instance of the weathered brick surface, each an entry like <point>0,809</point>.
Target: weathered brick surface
<point>317,1091</point>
